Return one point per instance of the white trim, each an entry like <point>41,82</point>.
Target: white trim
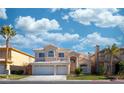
<point>54,69</point>
<point>50,63</point>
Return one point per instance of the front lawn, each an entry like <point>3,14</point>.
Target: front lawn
<point>13,77</point>
<point>86,77</point>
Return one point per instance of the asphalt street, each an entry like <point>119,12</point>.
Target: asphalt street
<point>63,82</point>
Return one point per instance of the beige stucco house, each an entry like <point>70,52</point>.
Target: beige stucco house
<point>16,59</point>
<point>59,61</point>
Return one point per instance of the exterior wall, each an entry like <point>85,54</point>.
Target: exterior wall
<point>19,59</point>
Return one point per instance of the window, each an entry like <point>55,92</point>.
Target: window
<point>41,55</point>
<point>61,54</point>
<point>83,65</point>
<point>50,54</point>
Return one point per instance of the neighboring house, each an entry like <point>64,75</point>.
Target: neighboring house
<point>53,60</point>
<point>101,59</point>
<point>17,60</point>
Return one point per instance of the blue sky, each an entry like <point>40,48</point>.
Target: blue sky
<point>77,29</point>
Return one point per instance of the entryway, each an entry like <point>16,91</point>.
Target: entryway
<point>72,64</point>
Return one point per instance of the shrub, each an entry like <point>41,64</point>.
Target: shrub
<point>13,72</point>
<point>17,72</point>
<point>78,71</point>
<point>101,70</point>
<point>20,72</point>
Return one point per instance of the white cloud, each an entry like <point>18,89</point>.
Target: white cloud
<point>37,32</point>
<point>3,14</point>
<point>99,17</point>
<point>31,24</point>
<point>60,37</point>
<point>65,17</point>
<point>27,41</point>
<point>35,40</point>
<point>95,39</point>
<point>55,9</point>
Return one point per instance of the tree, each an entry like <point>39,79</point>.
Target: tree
<point>7,33</point>
<point>121,67</point>
<point>112,51</point>
<point>101,69</point>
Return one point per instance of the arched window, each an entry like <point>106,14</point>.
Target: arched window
<point>51,53</point>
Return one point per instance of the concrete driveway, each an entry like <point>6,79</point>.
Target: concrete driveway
<point>45,78</point>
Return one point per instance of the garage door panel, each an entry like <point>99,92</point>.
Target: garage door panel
<point>2,69</point>
<point>61,70</point>
<point>43,70</point>
<point>49,69</point>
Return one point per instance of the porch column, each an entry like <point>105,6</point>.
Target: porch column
<point>77,62</point>
<point>54,69</point>
<point>8,69</point>
<point>68,69</point>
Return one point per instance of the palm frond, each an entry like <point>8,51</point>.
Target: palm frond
<point>7,32</point>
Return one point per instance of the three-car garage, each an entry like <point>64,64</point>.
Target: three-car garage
<point>49,69</point>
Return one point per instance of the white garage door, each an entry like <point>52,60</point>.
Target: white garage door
<point>42,70</point>
<point>61,70</point>
<point>2,69</point>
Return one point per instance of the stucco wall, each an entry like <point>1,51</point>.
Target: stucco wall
<point>19,59</point>
<point>85,60</point>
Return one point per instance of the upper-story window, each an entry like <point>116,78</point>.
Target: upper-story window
<point>51,53</point>
<point>41,54</point>
<point>61,54</point>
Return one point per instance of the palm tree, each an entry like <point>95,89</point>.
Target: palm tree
<point>112,51</point>
<point>7,33</point>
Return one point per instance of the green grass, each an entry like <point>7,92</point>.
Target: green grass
<point>13,77</point>
<point>86,77</point>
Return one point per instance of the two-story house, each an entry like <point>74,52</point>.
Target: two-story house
<point>52,60</point>
<point>99,58</point>
<point>17,60</point>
